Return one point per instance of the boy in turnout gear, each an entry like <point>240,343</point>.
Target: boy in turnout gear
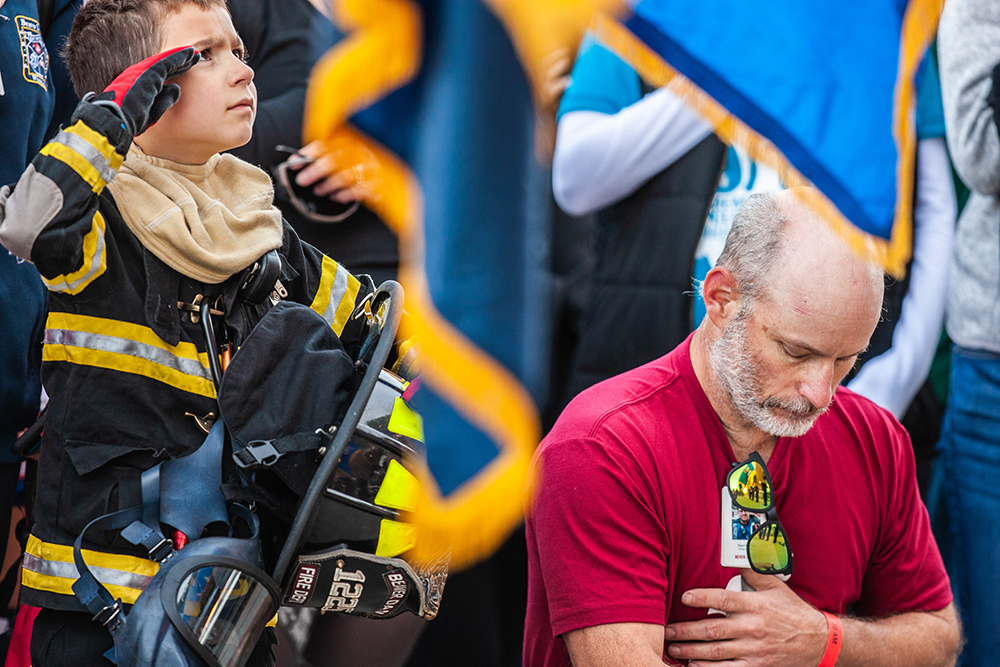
<point>134,219</point>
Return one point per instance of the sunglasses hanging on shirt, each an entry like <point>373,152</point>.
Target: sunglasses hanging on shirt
<point>751,489</point>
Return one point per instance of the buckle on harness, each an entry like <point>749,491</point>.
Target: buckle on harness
<point>257,453</point>
<point>160,552</point>
<point>110,616</point>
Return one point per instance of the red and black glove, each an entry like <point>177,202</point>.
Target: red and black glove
<point>138,96</point>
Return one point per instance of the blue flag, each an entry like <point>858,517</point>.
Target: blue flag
<point>822,92</point>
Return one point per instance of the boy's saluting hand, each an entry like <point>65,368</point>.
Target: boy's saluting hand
<point>139,95</point>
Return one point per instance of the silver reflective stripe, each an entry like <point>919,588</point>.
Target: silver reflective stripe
<point>336,294</point>
<point>96,262</point>
<point>104,343</point>
<point>108,577</point>
<point>88,153</point>
<point>32,205</point>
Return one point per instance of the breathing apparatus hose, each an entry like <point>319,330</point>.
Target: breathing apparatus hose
<point>211,346</point>
<point>346,429</point>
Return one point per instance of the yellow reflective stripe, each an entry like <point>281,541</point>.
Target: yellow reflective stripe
<point>346,306</point>
<point>76,162</point>
<point>335,297</point>
<point>126,361</point>
<point>129,364</point>
<point>328,274</point>
<point>63,586</point>
<point>273,622</point>
<point>394,538</point>
<point>64,554</point>
<point>127,330</point>
<point>399,488</point>
<point>99,142</point>
<point>96,559</point>
<point>405,421</point>
<point>95,262</point>
<point>49,584</point>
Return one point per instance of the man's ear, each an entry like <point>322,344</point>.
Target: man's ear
<point>722,296</point>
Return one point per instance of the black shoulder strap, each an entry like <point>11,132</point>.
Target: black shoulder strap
<point>46,12</point>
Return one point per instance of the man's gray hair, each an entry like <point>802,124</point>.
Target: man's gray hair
<point>754,243</point>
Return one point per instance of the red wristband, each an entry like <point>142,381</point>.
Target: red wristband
<point>833,641</point>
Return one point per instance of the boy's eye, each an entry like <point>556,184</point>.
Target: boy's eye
<point>240,54</point>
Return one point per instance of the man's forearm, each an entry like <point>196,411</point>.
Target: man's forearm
<point>918,638</point>
<point>618,644</point>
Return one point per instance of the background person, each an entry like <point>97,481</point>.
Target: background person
<point>969,49</point>
<point>35,97</point>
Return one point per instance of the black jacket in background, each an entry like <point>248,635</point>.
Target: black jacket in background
<point>641,300</point>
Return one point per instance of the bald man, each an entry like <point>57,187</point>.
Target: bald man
<point>625,532</point>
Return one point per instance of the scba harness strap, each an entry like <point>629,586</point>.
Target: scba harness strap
<point>88,589</point>
<point>166,496</point>
<point>263,453</point>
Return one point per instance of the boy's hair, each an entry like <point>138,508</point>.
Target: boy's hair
<point>110,35</point>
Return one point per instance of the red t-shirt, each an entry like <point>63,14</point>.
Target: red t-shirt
<point>626,515</point>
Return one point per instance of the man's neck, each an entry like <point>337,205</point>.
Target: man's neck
<point>743,436</point>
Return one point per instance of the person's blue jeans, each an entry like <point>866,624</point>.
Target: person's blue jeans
<point>970,459</point>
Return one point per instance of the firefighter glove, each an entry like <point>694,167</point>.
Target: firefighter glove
<point>138,96</point>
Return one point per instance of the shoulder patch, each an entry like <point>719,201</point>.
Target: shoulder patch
<point>34,55</point>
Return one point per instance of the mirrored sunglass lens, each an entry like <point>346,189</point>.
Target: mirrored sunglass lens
<point>768,549</point>
<point>750,487</point>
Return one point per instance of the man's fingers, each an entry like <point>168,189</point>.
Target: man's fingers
<point>731,663</point>
<point>712,651</point>
<point>334,183</point>
<point>716,598</point>
<point>710,629</point>
<point>348,195</point>
<point>761,582</point>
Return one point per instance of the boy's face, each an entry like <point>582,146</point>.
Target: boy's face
<point>218,100</point>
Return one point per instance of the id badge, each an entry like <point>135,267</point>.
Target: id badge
<point>737,527</point>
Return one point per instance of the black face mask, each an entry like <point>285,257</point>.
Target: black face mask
<point>208,605</point>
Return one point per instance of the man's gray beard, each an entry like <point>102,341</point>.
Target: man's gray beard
<point>737,375</point>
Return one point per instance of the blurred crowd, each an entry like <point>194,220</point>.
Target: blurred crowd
<point>642,197</point>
